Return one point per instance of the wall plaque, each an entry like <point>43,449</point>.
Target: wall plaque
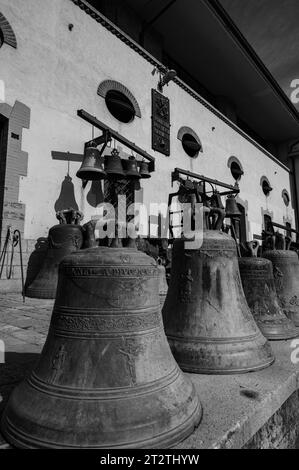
<point>160,123</point>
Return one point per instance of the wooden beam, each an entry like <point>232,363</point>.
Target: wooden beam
<point>67,156</point>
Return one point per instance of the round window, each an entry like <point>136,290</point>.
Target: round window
<point>236,171</point>
<point>191,146</point>
<point>286,198</point>
<point>120,106</point>
<point>266,188</point>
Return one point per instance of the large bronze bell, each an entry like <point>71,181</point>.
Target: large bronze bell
<point>113,165</point>
<point>62,240</point>
<point>106,377</point>
<point>286,276</point>
<point>258,284</point>
<point>91,168</point>
<point>207,320</point>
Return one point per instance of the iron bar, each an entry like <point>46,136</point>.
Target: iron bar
<point>115,135</point>
<point>178,171</point>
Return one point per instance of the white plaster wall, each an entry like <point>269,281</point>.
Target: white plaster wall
<point>55,72</point>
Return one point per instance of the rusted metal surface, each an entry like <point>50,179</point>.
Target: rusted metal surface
<point>62,240</point>
<point>91,168</point>
<point>258,284</point>
<point>106,377</point>
<point>207,320</point>
<point>286,276</point>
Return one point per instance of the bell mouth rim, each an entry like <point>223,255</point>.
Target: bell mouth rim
<point>167,439</point>
<point>201,370</point>
<point>92,176</point>
<point>280,337</point>
<point>133,177</point>
<point>113,175</point>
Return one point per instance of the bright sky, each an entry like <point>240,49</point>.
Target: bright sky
<point>272,29</point>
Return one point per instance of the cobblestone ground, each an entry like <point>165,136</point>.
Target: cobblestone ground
<point>23,329</point>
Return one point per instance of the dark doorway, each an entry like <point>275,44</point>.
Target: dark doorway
<point>3,156</point>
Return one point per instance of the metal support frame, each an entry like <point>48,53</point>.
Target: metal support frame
<point>171,213</point>
<point>177,175</point>
<point>284,227</point>
<point>178,172</point>
<point>101,140</point>
<point>109,133</point>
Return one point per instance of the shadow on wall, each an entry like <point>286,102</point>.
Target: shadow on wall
<point>66,199</point>
<point>95,195</point>
<point>36,260</point>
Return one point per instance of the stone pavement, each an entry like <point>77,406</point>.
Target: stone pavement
<point>23,329</point>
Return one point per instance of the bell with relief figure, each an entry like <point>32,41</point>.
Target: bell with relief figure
<point>208,323</point>
<point>286,277</point>
<point>259,288</point>
<point>106,377</point>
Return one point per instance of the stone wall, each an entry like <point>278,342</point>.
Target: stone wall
<point>282,430</point>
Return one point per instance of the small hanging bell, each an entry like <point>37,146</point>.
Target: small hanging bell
<point>232,209</point>
<point>144,170</point>
<point>113,165</point>
<point>91,168</point>
<point>132,168</point>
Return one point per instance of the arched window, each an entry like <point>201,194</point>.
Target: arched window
<point>7,34</point>
<point>120,106</point>
<point>190,142</point>
<point>266,187</point>
<point>119,100</point>
<point>286,198</point>
<point>236,169</point>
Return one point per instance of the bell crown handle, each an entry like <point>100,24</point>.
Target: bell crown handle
<point>220,213</point>
<point>254,247</point>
